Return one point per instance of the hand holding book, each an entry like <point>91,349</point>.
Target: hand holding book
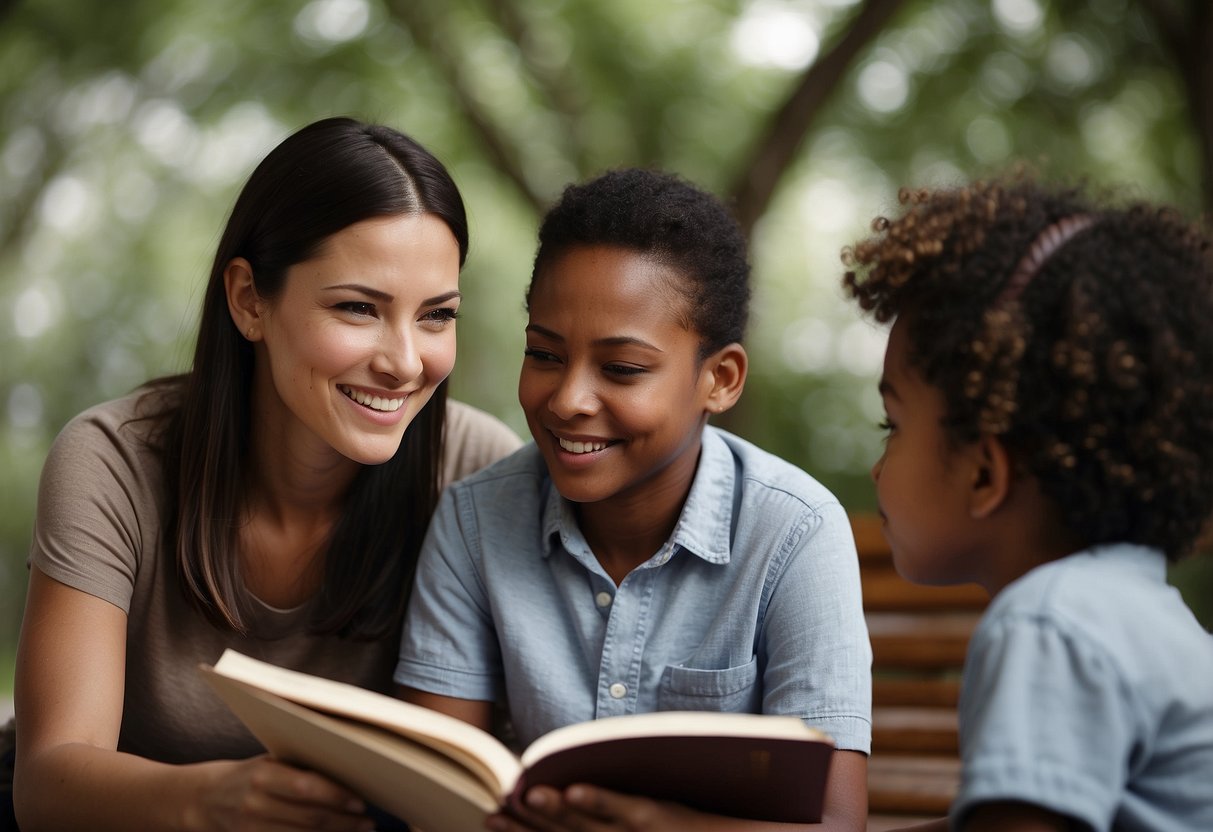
<point>443,775</point>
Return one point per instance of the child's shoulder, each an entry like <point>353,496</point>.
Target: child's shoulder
<point>1099,576</point>
<point>1111,600</point>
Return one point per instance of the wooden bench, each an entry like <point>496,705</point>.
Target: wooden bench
<point>919,636</point>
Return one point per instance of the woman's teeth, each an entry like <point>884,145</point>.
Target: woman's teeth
<point>373,402</point>
<point>581,447</point>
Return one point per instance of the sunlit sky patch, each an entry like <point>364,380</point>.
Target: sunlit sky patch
<point>1018,16</point>
<point>24,406</point>
<point>33,312</point>
<point>332,21</point>
<point>776,34</point>
<point>883,86</point>
<point>67,205</point>
<point>1069,60</point>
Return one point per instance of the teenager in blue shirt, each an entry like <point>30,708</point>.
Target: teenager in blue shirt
<point>632,558</point>
<point>1049,389</point>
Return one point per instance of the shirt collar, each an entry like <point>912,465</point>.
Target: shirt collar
<point>704,527</point>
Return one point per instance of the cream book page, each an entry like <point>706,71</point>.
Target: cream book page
<point>477,750</point>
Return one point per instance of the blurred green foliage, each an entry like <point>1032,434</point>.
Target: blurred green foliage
<point>126,129</point>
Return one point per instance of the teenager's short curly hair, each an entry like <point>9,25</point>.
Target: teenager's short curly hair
<point>667,218</point>
<point>1094,363</point>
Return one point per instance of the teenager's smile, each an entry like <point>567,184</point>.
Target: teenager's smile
<point>612,384</point>
<point>580,447</point>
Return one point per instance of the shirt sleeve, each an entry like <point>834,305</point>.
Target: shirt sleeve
<point>449,643</point>
<point>1046,719</point>
<point>87,529</point>
<point>818,656</point>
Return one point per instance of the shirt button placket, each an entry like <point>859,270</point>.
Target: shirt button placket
<point>615,695</point>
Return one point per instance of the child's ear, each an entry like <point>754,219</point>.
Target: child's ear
<point>243,302</point>
<point>725,372</point>
<point>992,475</point>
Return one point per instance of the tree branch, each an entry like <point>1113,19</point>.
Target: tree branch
<point>1189,39</point>
<point>567,100</point>
<point>497,145</point>
<point>771,157</point>
<point>1170,24</point>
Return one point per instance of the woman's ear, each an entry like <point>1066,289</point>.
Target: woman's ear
<point>993,472</point>
<point>243,302</point>
<point>726,370</point>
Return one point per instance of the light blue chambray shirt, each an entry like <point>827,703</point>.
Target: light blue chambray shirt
<point>1088,690</point>
<point>753,605</point>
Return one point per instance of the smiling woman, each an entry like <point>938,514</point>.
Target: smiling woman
<point>272,499</point>
<point>374,351</point>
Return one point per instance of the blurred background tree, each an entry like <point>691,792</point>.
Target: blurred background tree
<point>127,128</point>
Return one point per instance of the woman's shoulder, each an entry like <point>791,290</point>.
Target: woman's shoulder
<point>474,439</point>
<point>100,497</point>
<point>129,423</point>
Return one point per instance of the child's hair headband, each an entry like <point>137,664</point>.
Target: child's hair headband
<point>1045,245</point>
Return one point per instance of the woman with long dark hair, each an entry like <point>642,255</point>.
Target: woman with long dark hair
<point>272,499</point>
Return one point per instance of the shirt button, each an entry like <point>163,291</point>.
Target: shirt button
<point>603,599</point>
<point>618,691</point>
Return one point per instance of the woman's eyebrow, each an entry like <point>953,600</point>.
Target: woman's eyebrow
<point>366,290</point>
<point>387,297</point>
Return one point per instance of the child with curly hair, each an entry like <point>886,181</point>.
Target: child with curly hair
<point>634,558</point>
<point>1048,384</point>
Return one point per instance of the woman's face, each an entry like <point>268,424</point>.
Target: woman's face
<point>360,336</point>
<point>612,385</point>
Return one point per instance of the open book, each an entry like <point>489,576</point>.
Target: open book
<point>441,774</point>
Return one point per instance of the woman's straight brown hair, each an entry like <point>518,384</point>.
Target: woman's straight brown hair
<point>323,178</point>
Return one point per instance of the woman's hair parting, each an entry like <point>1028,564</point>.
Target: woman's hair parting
<point>677,224</point>
<point>1079,330</point>
<point>321,179</point>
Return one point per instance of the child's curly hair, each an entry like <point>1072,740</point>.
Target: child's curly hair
<point>1080,333</point>
<point>678,224</point>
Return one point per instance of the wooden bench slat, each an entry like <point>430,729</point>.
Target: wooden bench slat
<point>884,589</point>
<point>942,691</point>
<point>921,785</point>
<point>931,642</point>
<point>914,731</point>
<point>919,637</point>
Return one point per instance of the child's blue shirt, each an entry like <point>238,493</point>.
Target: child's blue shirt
<point>753,604</point>
<point>1088,690</point>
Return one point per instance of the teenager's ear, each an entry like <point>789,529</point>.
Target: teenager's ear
<point>243,302</point>
<point>992,475</point>
<point>726,372</point>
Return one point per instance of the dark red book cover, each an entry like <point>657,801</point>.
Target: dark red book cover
<point>755,778</point>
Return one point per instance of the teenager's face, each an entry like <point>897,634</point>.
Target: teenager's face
<point>922,487</point>
<point>612,386</point>
<point>361,335</point>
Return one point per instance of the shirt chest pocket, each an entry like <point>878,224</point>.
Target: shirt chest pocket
<point>732,690</point>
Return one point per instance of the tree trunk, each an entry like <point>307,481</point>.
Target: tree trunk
<point>789,125</point>
<point>1189,38</point>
